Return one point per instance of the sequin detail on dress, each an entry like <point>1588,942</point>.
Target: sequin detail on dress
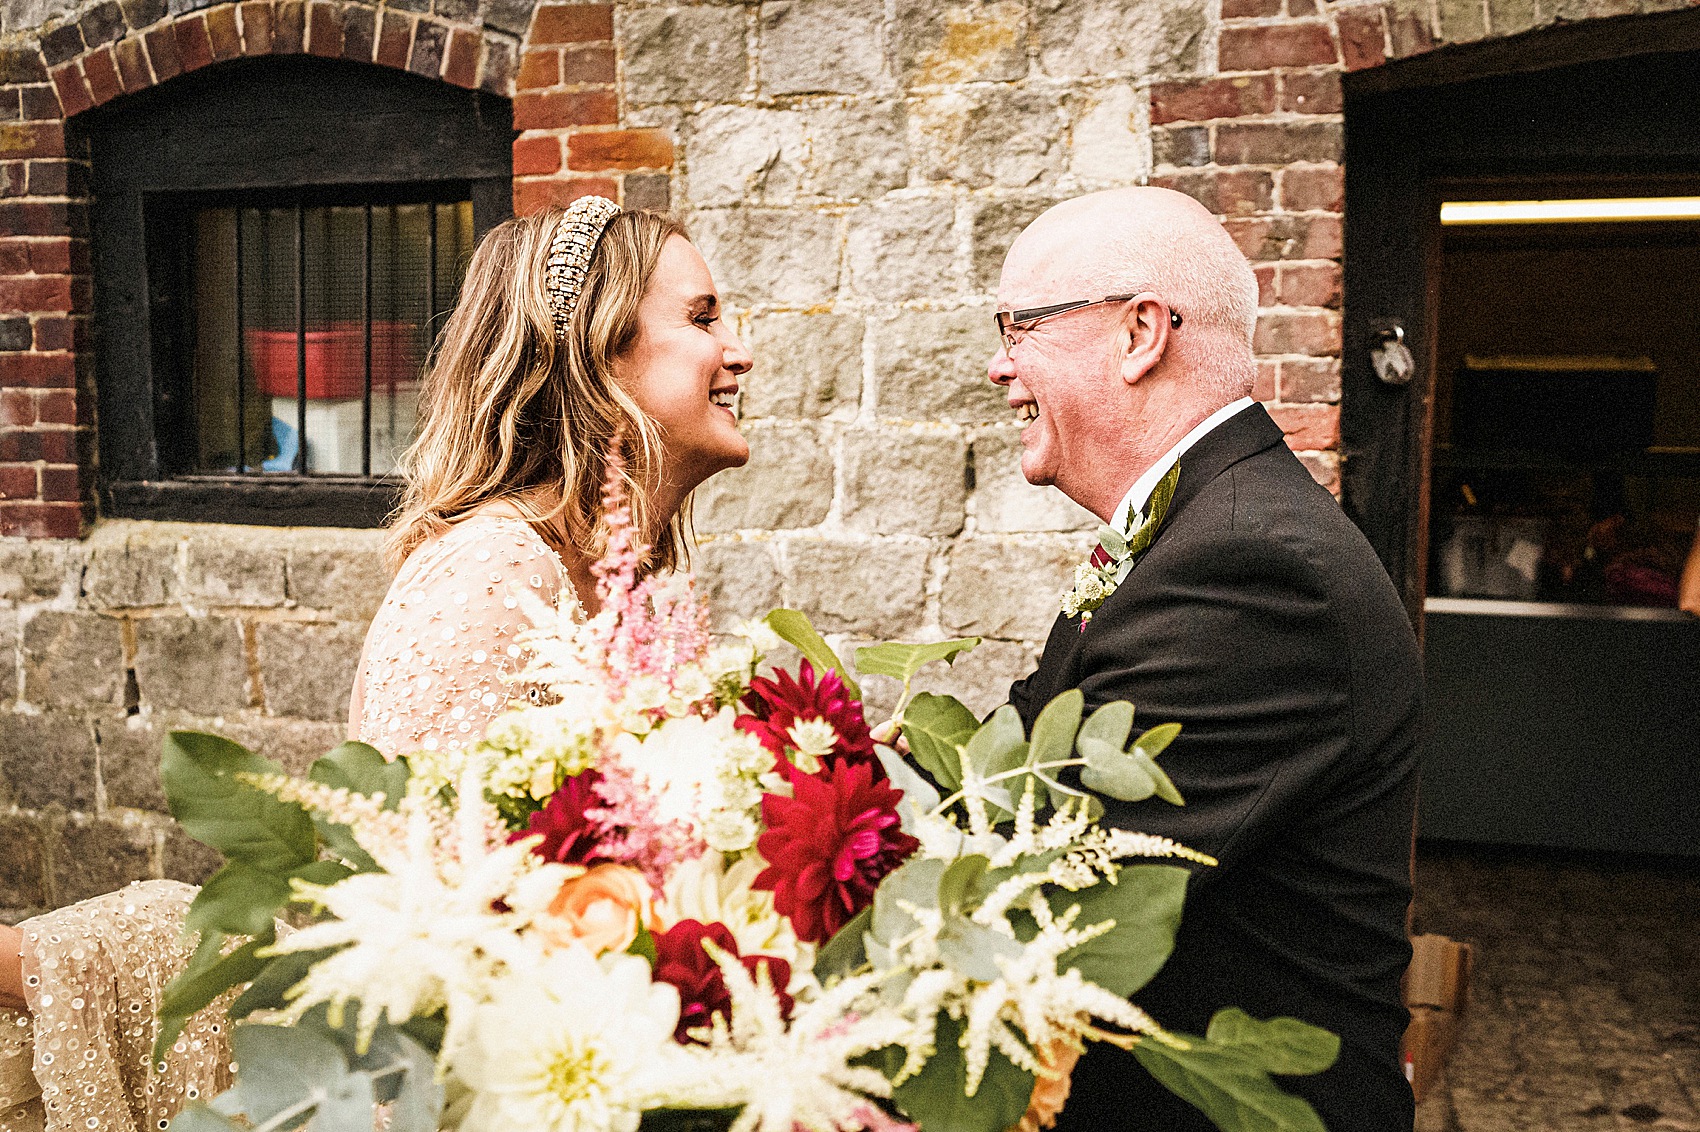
<point>432,675</point>
<point>79,1062</point>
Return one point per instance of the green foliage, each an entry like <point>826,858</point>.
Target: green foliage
<point>239,899</point>
<point>794,627</point>
<point>1145,902</point>
<point>268,990</point>
<point>919,797</point>
<point>1227,1084</point>
<point>936,727</point>
<point>209,974</point>
<point>999,745</point>
<point>643,944</point>
<point>243,823</point>
<point>1279,1045</point>
<point>902,661</point>
<point>362,769</point>
<point>1132,775</point>
<point>847,950</point>
<point>935,1097</point>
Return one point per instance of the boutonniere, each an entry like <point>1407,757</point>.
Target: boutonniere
<point>1097,578</point>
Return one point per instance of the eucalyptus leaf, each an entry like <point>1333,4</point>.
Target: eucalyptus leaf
<point>1053,732</point>
<point>208,975</point>
<point>973,949</point>
<point>1146,749</point>
<point>936,726</point>
<point>1112,771</point>
<point>1226,1086</point>
<point>404,1075</point>
<point>998,740</point>
<point>793,626</point>
<point>919,796</point>
<point>362,769</point>
<point>200,1118</point>
<point>296,1069</point>
<point>1145,902</point>
<point>239,821</point>
<point>959,885</point>
<point>916,882</point>
<point>847,951</point>
<point>936,1096</point>
<point>901,661</point>
<point>1109,724</point>
<point>1153,742</point>
<point>1278,1045</point>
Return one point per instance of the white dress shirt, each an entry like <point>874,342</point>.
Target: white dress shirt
<point>1133,503</point>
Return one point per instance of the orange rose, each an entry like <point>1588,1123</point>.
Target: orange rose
<point>601,909</point>
<point>1050,1087</point>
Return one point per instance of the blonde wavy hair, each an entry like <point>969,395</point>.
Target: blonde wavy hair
<point>508,413</point>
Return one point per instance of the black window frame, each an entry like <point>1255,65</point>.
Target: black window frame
<point>289,130</point>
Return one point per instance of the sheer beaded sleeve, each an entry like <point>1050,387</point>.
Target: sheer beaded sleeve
<point>431,677</point>
<point>94,973</point>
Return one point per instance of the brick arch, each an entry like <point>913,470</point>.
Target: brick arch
<point>1259,140</point>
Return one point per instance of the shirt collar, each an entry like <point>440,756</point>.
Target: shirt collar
<point>1140,494</point>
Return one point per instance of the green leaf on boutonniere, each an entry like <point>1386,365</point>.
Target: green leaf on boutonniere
<point>1113,541</point>
<point>794,628</point>
<point>1155,511</point>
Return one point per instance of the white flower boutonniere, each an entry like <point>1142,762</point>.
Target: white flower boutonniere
<point>1096,579</point>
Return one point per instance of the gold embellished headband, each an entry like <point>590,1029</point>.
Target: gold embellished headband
<point>570,253</point>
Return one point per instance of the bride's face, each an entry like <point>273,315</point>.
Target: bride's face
<point>683,369</point>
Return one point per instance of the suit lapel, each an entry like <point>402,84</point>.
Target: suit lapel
<point>1238,438</point>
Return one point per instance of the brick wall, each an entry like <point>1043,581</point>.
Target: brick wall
<point>852,169</point>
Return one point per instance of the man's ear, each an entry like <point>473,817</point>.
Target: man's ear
<point>1144,337</point>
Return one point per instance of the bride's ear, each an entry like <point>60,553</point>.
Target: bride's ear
<point>1142,338</point>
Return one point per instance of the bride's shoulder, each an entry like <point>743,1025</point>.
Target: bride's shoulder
<point>491,547</point>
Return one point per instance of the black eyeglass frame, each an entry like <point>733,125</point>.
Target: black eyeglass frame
<point>1008,322</point>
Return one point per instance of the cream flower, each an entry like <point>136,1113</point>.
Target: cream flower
<point>584,1047</point>
<point>707,891</point>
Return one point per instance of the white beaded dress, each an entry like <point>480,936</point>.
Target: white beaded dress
<point>431,677</point>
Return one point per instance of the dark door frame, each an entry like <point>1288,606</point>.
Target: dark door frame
<point>1586,104</point>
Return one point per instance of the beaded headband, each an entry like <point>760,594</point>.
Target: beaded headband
<point>570,252</point>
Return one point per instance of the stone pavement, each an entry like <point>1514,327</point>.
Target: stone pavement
<point>1585,1006</point>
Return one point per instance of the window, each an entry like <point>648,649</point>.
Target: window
<point>276,244</point>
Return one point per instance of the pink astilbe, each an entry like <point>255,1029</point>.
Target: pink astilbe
<point>640,631</point>
<point>632,830</point>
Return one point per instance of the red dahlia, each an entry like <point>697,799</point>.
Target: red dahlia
<point>569,835</point>
<point>681,959</point>
<point>776,705</point>
<point>829,845</point>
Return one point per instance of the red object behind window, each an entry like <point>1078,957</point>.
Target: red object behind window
<point>335,359</point>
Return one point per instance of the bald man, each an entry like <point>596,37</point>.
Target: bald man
<point>1258,618</point>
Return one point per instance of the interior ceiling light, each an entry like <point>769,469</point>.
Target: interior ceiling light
<point>1596,211</point>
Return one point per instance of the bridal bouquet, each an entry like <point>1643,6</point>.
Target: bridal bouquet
<point>670,892</point>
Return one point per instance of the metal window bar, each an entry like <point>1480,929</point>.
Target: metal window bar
<point>366,318</point>
<point>300,339</point>
<point>241,394</point>
<point>430,276</point>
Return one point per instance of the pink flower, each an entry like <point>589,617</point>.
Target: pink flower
<point>829,845</point>
<point>777,705</point>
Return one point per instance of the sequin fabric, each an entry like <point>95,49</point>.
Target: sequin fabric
<point>432,676</point>
<point>78,1061</point>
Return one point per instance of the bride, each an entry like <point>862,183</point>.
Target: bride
<point>574,327</point>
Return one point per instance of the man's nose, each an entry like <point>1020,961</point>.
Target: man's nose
<point>1001,370</point>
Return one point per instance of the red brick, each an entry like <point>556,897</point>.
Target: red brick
<point>429,41</point>
<point>73,91</point>
<point>20,445</point>
<point>32,139</point>
<point>1275,45</point>
<point>1265,273</point>
<point>1250,9</point>
<point>288,27</point>
<point>19,481</point>
<point>38,371</point>
<point>1310,285</point>
<point>56,406</point>
<point>1278,143</point>
<point>51,257</point>
<point>1264,385</point>
<point>34,218</point>
<point>17,408</point>
<point>194,48</point>
<point>14,179</point>
<point>1311,92</point>
<point>58,446</point>
<point>460,64</point>
<point>619,149</point>
<point>42,520</point>
<point>533,196</point>
<point>1226,193</point>
<point>101,70</point>
<point>257,27</point>
<point>561,108</point>
<point>538,69</point>
<point>1363,37</point>
<point>59,483</point>
<point>225,36</point>
<point>324,30</point>
<point>1301,8</point>
<point>14,257</point>
<point>537,155</point>
<point>395,38</point>
<point>133,64</point>
<point>588,66</point>
<point>56,333</point>
<point>1205,99</point>
<point>1310,380</point>
<point>30,294</point>
<point>1313,189</point>
<point>1410,34</point>
<point>359,33</point>
<point>40,103</point>
<point>162,52</point>
<point>1308,427</point>
<point>573,23</point>
<point>1314,333</point>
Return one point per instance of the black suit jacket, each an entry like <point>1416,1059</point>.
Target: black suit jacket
<point>1262,622</point>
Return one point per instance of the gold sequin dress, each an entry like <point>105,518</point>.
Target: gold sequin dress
<point>431,677</point>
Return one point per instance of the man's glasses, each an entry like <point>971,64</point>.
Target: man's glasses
<point>1013,324</point>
